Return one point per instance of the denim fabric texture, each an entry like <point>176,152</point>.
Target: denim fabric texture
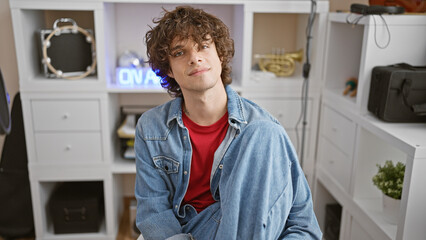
<point>260,188</point>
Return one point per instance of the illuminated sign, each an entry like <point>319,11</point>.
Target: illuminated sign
<point>137,77</point>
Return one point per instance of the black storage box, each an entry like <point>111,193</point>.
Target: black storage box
<point>333,214</point>
<point>398,93</point>
<point>77,207</point>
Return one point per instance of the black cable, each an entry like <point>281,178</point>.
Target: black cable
<point>305,86</point>
<point>355,22</point>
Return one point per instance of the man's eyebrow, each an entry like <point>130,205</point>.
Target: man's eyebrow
<point>176,47</point>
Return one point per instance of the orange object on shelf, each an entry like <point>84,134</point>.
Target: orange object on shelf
<point>351,86</point>
<point>418,6</point>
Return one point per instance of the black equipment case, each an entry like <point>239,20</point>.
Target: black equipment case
<point>77,207</point>
<point>398,93</point>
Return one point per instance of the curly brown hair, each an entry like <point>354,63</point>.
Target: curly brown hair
<point>186,22</point>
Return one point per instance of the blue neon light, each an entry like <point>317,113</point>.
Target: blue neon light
<point>137,77</point>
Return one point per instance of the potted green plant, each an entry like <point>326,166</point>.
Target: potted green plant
<point>389,179</point>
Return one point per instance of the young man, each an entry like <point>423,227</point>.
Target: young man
<point>210,164</point>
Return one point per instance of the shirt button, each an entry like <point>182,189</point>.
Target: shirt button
<point>220,166</point>
<point>185,172</point>
<point>176,206</point>
<point>184,137</point>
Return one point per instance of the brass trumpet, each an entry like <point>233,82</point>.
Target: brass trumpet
<point>282,65</point>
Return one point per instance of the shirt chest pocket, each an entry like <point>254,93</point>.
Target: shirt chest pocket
<point>166,164</point>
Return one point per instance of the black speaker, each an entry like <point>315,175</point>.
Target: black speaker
<point>333,214</point>
<point>375,9</point>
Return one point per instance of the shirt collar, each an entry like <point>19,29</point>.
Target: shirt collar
<point>235,109</point>
<point>235,106</point>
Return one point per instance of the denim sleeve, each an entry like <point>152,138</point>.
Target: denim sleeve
<point>264,193</point>
<point>301,222</point>
<point>155,218</point>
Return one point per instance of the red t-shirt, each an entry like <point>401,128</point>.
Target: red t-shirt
<point>204,140</point>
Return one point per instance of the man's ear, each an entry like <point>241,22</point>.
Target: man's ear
<point>170,74</point>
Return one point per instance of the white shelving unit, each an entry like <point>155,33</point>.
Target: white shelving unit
<point>70,125</point>
<point>352,141</point>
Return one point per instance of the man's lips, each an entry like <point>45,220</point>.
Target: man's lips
<point>198,71</point>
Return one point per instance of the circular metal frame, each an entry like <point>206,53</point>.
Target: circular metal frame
<point>57,31</point>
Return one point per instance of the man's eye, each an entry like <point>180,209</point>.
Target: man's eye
<point>177,54</point>
<point>204,46</point>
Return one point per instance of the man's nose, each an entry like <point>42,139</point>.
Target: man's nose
<point>194,56</point>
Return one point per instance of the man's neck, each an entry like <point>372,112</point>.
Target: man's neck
<point>206,108</point>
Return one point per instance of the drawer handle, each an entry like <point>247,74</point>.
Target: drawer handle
<point>334,129</point>
<point>66,116</point>
<point>331,161</point>
<point>68,147</point>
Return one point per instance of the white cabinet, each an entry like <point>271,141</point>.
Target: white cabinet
<point>352,141</point>
<point>70,125</point>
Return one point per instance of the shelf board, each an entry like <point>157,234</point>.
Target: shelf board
<point>123,166</point>
<point>260,77</point>
<point>408,137</point>
<point>335,97</point>
<point>268,84</point>
<point>101,234</point>
<point>41,83</point>
<point>397,19</point>
<point>113,88</point>
<point>371,208</point>
<point>174,1</point>
<point>285,6</point>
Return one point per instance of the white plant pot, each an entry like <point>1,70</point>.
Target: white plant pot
<point>391,209</point>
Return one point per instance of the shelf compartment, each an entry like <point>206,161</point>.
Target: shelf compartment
<point>364,47</point>
<point>27,24</point>
<point>371,209</point>
<point>408,137</point>
<point>128,23</point>
<point>372,151</point>
<point>322,198</point>
<point>133,99</point>
<point>347,40</point>
<point>277,33</point>
<point>44,191</point>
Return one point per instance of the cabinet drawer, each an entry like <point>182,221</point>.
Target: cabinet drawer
<point>335,162</point>
<point>64,115</point>
<point>339,130</point>
<point>68,147</point>
<point>286,111</point>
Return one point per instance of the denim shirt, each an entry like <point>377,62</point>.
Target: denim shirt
<point>163,163</point>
